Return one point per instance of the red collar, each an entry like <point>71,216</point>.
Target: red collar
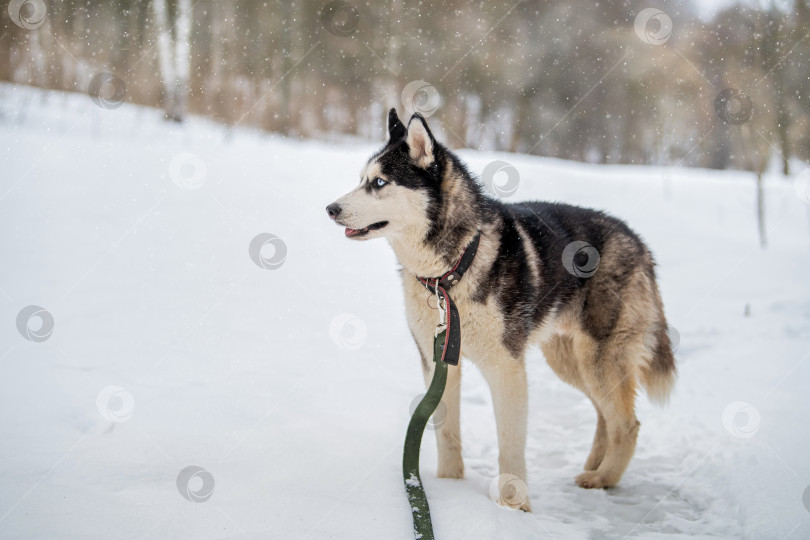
<point>453,276</point>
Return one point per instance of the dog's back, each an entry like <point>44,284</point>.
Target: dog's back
<point>557,260</point>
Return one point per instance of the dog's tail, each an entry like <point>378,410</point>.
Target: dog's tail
<point>658,375</point>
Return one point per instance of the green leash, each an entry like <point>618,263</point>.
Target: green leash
<point>446,350</point>
<point>422,526</point>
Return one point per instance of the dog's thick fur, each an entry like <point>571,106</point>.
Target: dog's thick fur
<point>601,328</point>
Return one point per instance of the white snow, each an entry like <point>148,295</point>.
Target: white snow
<point>288,389</point>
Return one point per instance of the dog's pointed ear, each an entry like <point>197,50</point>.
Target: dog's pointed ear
<point>396,130</point>
<point>420,141</point>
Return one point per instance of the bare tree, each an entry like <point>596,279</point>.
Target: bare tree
<point>174,28</point>
<point>539,77</point>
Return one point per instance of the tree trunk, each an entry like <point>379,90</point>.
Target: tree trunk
<point>286,64</point>
<point>173,52</point>
<point>182,58</point>
<point>763,240</point>
<point>783,125</point>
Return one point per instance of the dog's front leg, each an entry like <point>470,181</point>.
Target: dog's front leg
<point>446,419</point>
<point>447,422</point>
<point>507,383</point>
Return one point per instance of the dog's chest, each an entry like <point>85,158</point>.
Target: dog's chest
<point>481,323</point>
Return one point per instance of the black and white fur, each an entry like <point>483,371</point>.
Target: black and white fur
<point>602,331</point>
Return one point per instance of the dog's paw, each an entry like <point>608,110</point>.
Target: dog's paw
<point>593,480</point>
<point>525,506</point>
<point>510,491</point>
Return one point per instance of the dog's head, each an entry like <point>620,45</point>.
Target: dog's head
<point>397,185</point>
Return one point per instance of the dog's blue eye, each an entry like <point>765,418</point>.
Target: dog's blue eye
<point>380,182</point>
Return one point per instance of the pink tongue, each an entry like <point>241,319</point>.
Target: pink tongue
<point>350,231</point>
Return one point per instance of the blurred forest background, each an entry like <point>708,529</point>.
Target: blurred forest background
<point>576,79</point>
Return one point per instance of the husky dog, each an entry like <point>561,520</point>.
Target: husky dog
<point>576,282</point>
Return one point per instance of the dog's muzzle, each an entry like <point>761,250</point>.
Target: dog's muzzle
<point>334,210</point>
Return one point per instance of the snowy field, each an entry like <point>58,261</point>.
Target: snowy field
<point>289,386</point>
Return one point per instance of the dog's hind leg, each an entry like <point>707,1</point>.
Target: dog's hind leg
<point>610,381</point>
<point>562,358</point>
<point>507,383</point>
<point>599,443</point>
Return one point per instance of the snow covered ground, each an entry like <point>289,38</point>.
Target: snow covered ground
<point>289,386</point>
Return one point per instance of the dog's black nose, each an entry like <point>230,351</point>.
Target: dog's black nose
<point>333,210</point>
